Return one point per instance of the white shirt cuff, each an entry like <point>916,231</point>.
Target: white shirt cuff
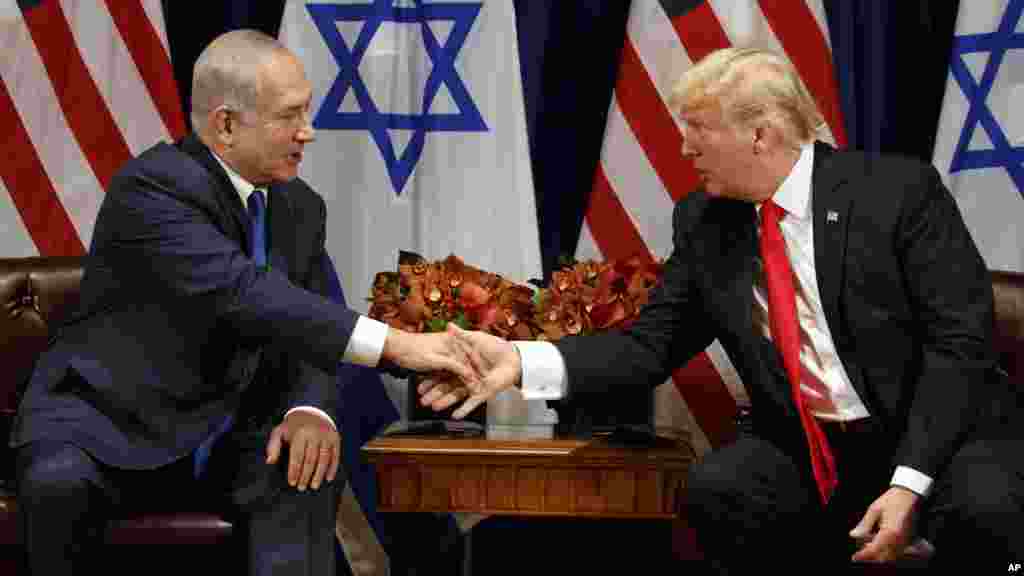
<point>366,343</point>
<point>912,480</point>
<point>312,410</point>
<point>543,368</point>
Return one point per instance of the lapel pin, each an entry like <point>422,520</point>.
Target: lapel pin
<point>832,216</point>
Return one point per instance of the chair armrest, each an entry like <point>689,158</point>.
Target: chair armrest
<point>6,453</point>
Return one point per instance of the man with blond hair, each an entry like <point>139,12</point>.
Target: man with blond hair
<point>199,366</point>
<point>850,296</point>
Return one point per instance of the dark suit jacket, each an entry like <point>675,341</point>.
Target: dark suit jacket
<point>175,319</point>
<point>906,295</point>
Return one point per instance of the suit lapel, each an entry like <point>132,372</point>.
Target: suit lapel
<point>281,238</point>
<point>831,202</point>
<point>746,244</point>
<point>227,195</point>
<point>759,348</point>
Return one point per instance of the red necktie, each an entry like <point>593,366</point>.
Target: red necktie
<point>786,334</point>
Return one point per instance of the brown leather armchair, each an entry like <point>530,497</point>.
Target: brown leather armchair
<point>35,294</point>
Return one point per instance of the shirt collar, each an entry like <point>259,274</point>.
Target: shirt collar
<point>242,186</point>
<point>794,194</point>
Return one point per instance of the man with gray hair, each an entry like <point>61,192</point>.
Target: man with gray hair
<point>200,362</point>
<point>850,296</point>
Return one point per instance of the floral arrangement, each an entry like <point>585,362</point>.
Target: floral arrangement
<point>582,297</point>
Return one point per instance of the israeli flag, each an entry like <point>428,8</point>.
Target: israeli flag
<point>978,146</point>
<point>420,145</point>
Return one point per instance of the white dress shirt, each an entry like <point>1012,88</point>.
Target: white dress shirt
<point>366,343</point>
<point>826,388</point>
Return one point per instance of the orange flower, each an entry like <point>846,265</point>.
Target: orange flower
<point>583,298</point>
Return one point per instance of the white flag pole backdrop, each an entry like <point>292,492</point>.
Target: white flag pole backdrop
<point>642,172</point>
<point>981,129</point>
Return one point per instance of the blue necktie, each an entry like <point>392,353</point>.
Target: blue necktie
<point>257,208</point>
<point>258,228</point>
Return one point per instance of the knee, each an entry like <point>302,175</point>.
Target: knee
<point>53,476</point>
<point>708,481</point>
<point>983,490</point>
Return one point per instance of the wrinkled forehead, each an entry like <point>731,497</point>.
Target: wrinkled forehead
<point>281,75</point>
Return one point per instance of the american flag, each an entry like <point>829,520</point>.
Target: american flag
<point>642,172</point>
<point>83,87</point>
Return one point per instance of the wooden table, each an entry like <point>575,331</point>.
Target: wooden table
<point>559,476</point>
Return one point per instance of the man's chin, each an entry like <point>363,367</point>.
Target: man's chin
<point>287,175</point>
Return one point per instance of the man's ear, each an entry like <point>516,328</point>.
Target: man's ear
<point>224,124</point>
<point>766,137</point>
<point>760,138</point>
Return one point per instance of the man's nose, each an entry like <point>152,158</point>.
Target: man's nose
<point>687,149</point>
<point>306,133</point>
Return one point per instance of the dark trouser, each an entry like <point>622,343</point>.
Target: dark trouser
<point>66,496</point>
<point>755,506</point>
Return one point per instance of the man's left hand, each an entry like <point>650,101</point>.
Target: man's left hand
<point>887,527</point>
<point>315,449</point>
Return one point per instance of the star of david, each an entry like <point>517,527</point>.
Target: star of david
<point>370,117</point>
<point>996,43</point>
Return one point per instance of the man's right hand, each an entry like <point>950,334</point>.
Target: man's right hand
<point>496,361</point>
<point>430,352</point>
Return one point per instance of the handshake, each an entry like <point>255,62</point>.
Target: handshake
<point>464,366</point>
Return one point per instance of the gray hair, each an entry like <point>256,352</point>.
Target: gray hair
<point>751,85</point>
<point>227,73</point>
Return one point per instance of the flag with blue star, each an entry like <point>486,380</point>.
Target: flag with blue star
<point>980,139</point>
<point>420,145</point>
<point>421,135</point>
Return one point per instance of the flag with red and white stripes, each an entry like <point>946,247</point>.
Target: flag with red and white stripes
<point>642,172</point>
<point>83,87</point>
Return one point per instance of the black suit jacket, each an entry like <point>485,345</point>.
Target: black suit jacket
<point>175,319</point>
<point>906,295</point>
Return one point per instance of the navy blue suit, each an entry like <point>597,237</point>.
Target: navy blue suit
<point>178,328</point>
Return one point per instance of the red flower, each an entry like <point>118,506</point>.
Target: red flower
<point>584,298</point>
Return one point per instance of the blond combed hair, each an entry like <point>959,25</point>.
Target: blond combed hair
<point>751,86</point>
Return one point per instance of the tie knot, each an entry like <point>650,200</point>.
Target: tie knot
<point>256,202</point>
<point>771,212</point>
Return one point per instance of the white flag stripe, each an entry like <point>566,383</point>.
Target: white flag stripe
<point>16,243</point>
<point>818,11</point>
<point>637,186</point>
<point>728,372</point>
<point>115,74</point>
<point>671,411</point>
<point>745,24</point>
<point>586,246</point>
<point>62,158</point>
<point>155,13</point>
<point>988,198</point>
<point>994,211</point>
<point>657,43</point>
